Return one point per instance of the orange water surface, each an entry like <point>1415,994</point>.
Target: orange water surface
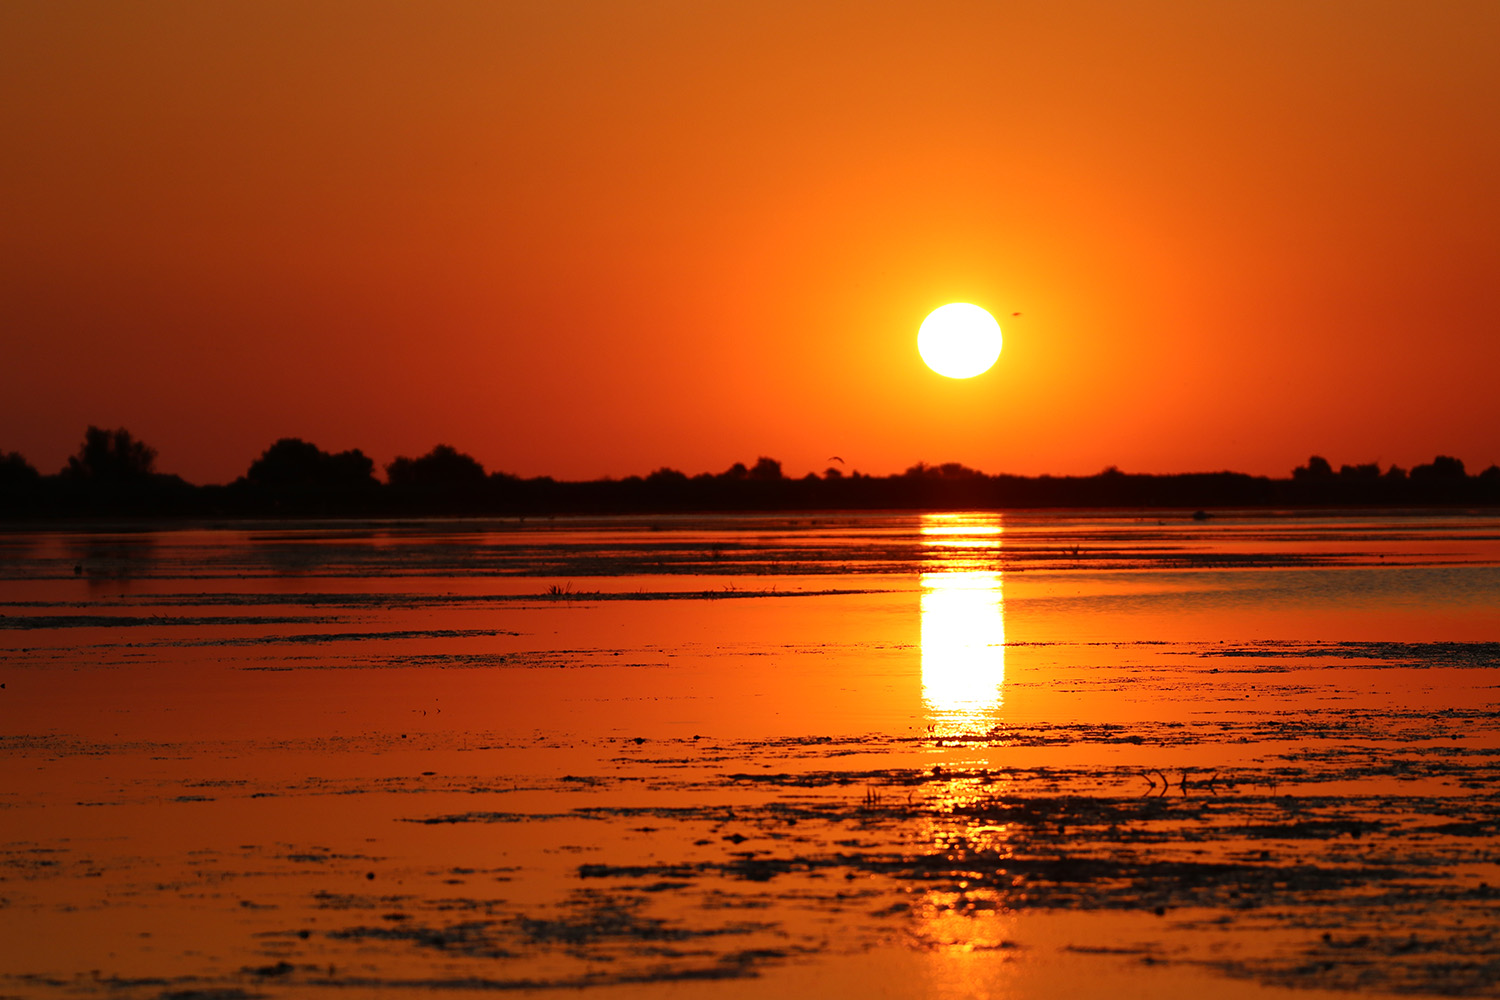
<point>959,755</point>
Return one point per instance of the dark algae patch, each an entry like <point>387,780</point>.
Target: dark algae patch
<point>1372,873</point>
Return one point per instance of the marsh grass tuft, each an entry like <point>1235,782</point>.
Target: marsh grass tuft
<point>565,591</point>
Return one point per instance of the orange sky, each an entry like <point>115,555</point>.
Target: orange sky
<point>585,239</point>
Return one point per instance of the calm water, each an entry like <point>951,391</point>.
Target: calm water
<point>961,755</point>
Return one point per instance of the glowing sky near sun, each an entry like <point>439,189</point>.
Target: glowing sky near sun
<point>587,239</point>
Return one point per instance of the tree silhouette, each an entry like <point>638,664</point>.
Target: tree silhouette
<point>15,470</point>
<point>113,473</point>
<point>110,458</point>
<point>947,470</point>
<point>1443,468</point>
<point>16,473</point>
<point>292,463</point>
<point>444,467</point>
<point>1317,468</point>
<point>665,477</point>
<point>766,470</point>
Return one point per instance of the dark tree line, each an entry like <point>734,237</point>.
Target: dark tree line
<point>113,473</point>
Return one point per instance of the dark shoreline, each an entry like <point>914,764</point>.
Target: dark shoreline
<point>114,475</point>
<point>170,498</point>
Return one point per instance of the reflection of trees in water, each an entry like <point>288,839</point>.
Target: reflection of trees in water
<point>102,559</point>
<point>315,554</point>
<point>15,546</point>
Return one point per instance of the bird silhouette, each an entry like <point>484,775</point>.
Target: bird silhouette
<point>835,458</point>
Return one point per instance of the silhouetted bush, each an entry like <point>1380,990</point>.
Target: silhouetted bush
<point>667,478</point>
<point>766,470</point>
<point>297,477</point>
<point>113,475</point>
<point>1443,468</point>
<point>20,484</point>
<point>947,470</point>
<point>110,458</point>
<point>292,463</point>
<point>1317,468</point>
<point>16,473</point>
<point>442,468</point>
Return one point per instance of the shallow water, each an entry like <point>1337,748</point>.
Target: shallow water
<point>960,755</point>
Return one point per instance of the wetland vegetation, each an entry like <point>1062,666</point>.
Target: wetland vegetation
<point>115,474</point>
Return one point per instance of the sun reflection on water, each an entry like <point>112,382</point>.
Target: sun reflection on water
<point>963,925</point>
<point>963,623</point>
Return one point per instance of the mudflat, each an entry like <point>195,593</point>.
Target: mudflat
<point>958,755</point>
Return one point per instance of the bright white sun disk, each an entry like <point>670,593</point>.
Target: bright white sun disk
<point>959,340</point>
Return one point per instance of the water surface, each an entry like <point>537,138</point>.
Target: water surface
<point>907,755</point>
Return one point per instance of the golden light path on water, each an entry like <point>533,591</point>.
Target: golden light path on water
<point>961,927</point>
<point>963,622</point>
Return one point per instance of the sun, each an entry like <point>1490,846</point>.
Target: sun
<point>959,340</point>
